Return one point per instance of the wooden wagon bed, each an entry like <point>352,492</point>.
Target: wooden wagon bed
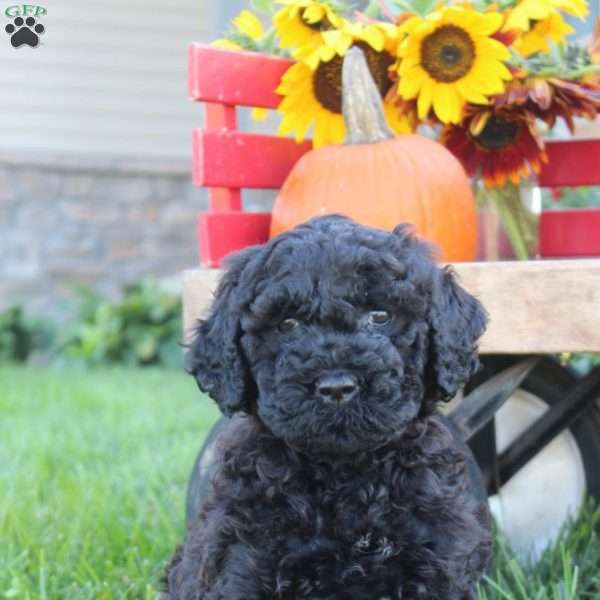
<point>535,307</point>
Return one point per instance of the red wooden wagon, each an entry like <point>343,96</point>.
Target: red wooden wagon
<point>537,308</point>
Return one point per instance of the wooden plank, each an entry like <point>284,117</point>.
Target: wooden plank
<point>535,306</point>
<point>223,232</point>
<point>242,160</point>
<point>571,163</point>
<point>198,288</point>
<point>234,77</point>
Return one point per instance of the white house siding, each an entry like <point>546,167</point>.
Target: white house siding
<point>95,147</point>
<point>108,79</point>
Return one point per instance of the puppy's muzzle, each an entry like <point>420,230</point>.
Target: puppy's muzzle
<point>336,387</point>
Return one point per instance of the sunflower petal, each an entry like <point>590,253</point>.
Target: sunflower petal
<point>249,24</point>
<point>425,99</point>
<point>489,23</point>
<point>470,92</point>
<point>374,37</point>
<point>446,104</point>
<point>410,83</point>
<point>260,114</point>
<point>339,40</point>
<point>313,14</point>
<point>226,44</point>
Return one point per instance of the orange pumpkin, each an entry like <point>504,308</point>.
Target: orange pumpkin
<point>379,179</point>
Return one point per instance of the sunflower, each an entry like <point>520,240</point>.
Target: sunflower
<point>528,12</point>
<point>399,108</point>
<point>552,98</point>
<point>450,58</point>
<point>568,100</point>
<point>380,36</point>
<point>525,93</point>
<point>313,97</point>
<point>247,31</point>
<point>553,28</point>
<point>402,119</point>
<point>249,24</point>
<point>500,145</point>
<point>300,22</point>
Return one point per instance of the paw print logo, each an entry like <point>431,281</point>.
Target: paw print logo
<point>24,31</point>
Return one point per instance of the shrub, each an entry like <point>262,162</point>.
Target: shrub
<point>20,336</point>
<point>144,328</point>
<point>568,198</point>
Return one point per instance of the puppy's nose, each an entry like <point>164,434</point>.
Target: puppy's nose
<point>337,387</point>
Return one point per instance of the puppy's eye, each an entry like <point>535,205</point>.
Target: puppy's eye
<point>288,325</point>
<point>379,317</point>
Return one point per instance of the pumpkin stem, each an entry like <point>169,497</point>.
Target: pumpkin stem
<point>361,102</point>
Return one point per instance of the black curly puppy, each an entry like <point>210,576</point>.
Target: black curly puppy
<point>341,481</point>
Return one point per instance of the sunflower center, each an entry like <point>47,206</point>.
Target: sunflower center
<point>448,53</point>
<point>327,79</point>
<point>498,133</point>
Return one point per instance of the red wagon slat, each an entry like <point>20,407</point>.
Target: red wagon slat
<point>226,160</point>
<point>244,160</point>
<point>223,232</point>
<point>236,78</point>
<point>571,163</point>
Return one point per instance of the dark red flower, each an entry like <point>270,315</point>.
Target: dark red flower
<point>497,144</point>
<point>551,99</point>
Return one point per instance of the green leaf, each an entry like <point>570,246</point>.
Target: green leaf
<point>146,349</point>
<point>266,7</point>
<point>420,7</point>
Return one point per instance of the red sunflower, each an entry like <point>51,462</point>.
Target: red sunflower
<point>571,99</point>
<point>498,144</point>
<point>551,99</point>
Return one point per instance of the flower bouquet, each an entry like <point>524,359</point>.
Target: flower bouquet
<point>488,80</point>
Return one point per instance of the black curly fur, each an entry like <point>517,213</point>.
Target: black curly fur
<point>368,500</point>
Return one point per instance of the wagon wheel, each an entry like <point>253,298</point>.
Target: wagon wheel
<point>533,505</point>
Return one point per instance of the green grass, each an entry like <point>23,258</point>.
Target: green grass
<point>93,468</point>
<point>569,571</point>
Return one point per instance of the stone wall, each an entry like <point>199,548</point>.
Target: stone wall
<point>98,225</point>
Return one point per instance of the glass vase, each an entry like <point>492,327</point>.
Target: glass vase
<point>508,212</point>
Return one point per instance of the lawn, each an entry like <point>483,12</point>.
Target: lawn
<point>94,467</point>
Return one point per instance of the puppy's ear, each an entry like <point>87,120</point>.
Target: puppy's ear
<point>457,320</point>
<point>215,357</point>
